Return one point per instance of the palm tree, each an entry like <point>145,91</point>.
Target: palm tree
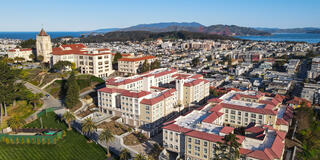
<point>125,155</point>
<point>140,157</point>
<point>68,117</point>
<point>88,127</point>
<point>106,136</point>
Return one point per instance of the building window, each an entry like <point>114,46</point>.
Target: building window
<point>189,146</point>
<point>239,113</point>
<point>197,141</point>
<point>189,139</point>
<point>260,116</point>
<point>253,115</point>
<point>197,148</point>
<point>205,150</point>
<point>205,144</point>
<point>233,112</point>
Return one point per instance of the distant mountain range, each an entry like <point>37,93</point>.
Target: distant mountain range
<point>229,30</point>
<point>290,30</point>
<point>147,35</point>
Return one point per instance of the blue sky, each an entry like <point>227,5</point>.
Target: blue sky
<point>83,15</point>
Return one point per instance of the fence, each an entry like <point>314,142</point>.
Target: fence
<point>31,139</point>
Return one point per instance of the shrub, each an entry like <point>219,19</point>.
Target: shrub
<point>43,141</point>
<point>3,139</point>
<point>11,141</point>
<point>7,141</point>
<point>22,141</point>
<point>54,141</point>
<point>32,141</point>
<point>38,141</point>
<point>48,141</point>
<point>28,141</point>
<point>17,140</point>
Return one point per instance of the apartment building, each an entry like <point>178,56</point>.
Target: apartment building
<point>147,100</point>
<point>191,88</point>
<point>97,62</point>
<point>315,68</point>
<point>264,118</point>
<point>131,65</point>
<point>21,53</point>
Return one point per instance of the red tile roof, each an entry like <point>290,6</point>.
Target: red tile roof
<point>43,33</point>
<point>159,98</point>
<point>216,108</point>
<point>227,130</point>
<point>215,100</point>
<point>176,128</point>
<point>69,49</point>
<point>195,82</point>
<point>258,154</point>
<point>21,50</point>
<point>277,146</point>
<point>124,92</point>
<point>205,136</point>
<point>254,129</point>
<point>281,121</point>
<point>212,117</point>
<point>248,109</point>
<point>114,82</point>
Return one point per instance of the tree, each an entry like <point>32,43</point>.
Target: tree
<point>155,64</point>
<point>68,117</point>
<point>40,58</point>
<point>145,67</point>
<point>229,149</point>
<point>140,157</point>
<point>15,123</point>
<point>8,86</point>
<point>88,127</point>
<point>125,155</point>
<point>116,57</point>
<point>30,43</point>
<point>32,56</point>
<point>62,65</point>
<point>72,95</point>
<point>34,99</point>
<point>106,136</point>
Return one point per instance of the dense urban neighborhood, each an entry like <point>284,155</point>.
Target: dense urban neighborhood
<point>165,98</point>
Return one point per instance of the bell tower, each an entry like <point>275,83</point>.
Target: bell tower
<point>44,46</point>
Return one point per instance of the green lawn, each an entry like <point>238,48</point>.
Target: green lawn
<point>73,146</point>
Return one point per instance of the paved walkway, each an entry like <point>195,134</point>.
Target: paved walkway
<point>48,84</point>
<point>48,102</point>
